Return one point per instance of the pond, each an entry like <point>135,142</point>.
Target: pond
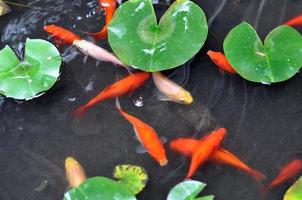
<point>263,121</point>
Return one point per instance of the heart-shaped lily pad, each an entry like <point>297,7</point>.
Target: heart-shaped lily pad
<point>36,73</point>
<point>139,41</point>
<point>99,188</point>
<point>132,177</point>
<point>295,191</point>
<point>278,59</point>
<point>188,190</point>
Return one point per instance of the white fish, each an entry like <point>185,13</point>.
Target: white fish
<point>90,49</point>
<point>4,8</point>
<point>170,90</point>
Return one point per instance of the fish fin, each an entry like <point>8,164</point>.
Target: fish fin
<point>80,111</point>
<point>161,96</point>
<point>140,149</point>
<point>163,139</point>
<point>59,42</point>
<point>137,134</point>
<point>257,175</point>
<point>117,104</point>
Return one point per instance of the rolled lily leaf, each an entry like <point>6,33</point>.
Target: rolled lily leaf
<point>278,59</point>
<point>99,188</point>
<point>295,191</point>
<point>188,190</point>
<point>35,74</point>
<point>132,177</point>
<point>139,41</point>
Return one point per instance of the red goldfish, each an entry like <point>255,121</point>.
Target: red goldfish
<point>119,88</point>
<point>187,146</point>
<point>147,136</point>
<point>109,6</point>
<point>220,60</point>
<point>204,150</point>
<point>289,171</point>
<point>296,21</point>
<point>61,35</point>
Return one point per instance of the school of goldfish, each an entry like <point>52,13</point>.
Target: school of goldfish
<point>200,151</point>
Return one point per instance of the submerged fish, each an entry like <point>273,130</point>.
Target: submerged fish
<point>187,146</point>
<point>287,172</point>
<point>61,35</point>
<point>64,36</point>
<point>109,6</point>
<point>96,52</point>
<point>4,8</point>
<point>204,150</point>
<point>220,60</point>
<point>170,90</point>
<point>117,89</point>
<point>147,136</point>
<point>75,173</point>
<point>296,21</point>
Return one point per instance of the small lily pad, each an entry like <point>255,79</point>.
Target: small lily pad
<point>188,190</point>
<point>99,188</point>
<point>139,41</point>
<point>35,74</point>
<point>132,177</point>
<point>278,59</point>
<point>295,191</point>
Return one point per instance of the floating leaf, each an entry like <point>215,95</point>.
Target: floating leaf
<point>277,60</point>
<point>139,41</point>
<point>295,191</point>
<point>99,188</point>
<point>37,73</point>
<point>188,190</point>
<point>132,177</point>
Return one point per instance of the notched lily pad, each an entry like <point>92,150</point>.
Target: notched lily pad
<point>188,190</point>
<point>133,177</point>
<point>278,59</point>
<point>295,191</point>
<point>99,188</point>
<point>139,41</point>
<point>35,74</point>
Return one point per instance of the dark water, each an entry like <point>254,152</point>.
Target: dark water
<point>264,122</point>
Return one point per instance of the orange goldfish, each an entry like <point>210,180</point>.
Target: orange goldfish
<point>61,35</point>
<point>221,61</point>
<point>204,150</point>
<point>147,136</point>
<point>119,88</point>
<point>287,172</point>
<point>187,146</point>
<point>296,21</point>
<point>109,6</point>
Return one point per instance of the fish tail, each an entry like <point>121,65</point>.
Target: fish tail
<point>265,189</point>
<point>256,174</point>
<point>80,111</point>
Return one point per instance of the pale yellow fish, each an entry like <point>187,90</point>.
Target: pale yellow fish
<point>75,173</point>
<point>4,8</point>
<point>171,90</point>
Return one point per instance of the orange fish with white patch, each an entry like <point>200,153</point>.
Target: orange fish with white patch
<point>221,61</point>
<point>147,136</point>
<point>119,88</point>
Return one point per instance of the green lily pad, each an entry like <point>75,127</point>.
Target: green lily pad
<point>295,191</point>
<point>139,41</point>
<point>188,190</point>
<point>99,188</point>
<point>132,177</point>
<point>278,59</point>
<point>37,73</point>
